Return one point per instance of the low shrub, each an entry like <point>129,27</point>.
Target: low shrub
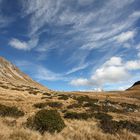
<point>93,107</point>
<point>50,97</point>
<point>79,116</point>
<point>110,109</point>
<point>6,111</point>
<point>63,97</point>
<point>82,99</point>
<point>55,104</point>
<point>109,126</point>
<point>133,127</point>
<point>46,120</point>
<point>129,107</point>
<point>102,116</point>
<point>48,94</point>
<point>33,92</point>
<point>75,105</point>
<point>40,105</point>
<point>18,89</point>
<point>5,87</point>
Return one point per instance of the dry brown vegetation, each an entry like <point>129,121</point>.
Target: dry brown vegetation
<point>86,115</point>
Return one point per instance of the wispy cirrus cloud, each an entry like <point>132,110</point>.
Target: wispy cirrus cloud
<point>75,36</point>
<point>125,36</point>
<point>4,20</point>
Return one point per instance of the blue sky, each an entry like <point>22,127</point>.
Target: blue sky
<point>73,44</point>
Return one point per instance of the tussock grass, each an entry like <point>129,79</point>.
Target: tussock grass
<point>76,130</point>
<point>10,111</point>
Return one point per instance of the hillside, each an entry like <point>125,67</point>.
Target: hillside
<point>29,111</point>
<point>11,75</point>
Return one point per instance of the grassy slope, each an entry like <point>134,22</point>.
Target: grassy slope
<point>13,128</point>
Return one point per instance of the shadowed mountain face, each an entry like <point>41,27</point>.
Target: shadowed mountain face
<point>137,83</point>
<point>135,86</point>
<point>10,73</point>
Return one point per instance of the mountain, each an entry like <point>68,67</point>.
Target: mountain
<point>135,86</point>
<point>11,74</point>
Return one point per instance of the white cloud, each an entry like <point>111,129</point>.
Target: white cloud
<point>138,54</point>
<point>114,61</point>
<point>110,74</point>
<point>79,82</point>
<point>125,36</point>
<point>133,65</point>
<point>22,45</point>
<point>136,14</point>
<point>113,71</point>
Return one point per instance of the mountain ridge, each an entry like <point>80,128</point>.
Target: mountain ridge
<point>12,74</point>
<point>135,86</point>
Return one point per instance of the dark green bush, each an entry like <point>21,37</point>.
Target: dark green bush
<point>6,111</point>
<point>75,105</point>
<point>40,105</point>
<point>5,87</point>
<point>109,126</point>
<point>107,102</point>
<point>93,107</point>
<point>33,92</point>
<point>48,94</point>
<point>18,89</point>
<point>50,97</point>
<point>46,120</point>
<point>102,116</point>
<point>55,104</point>
<point>79,116</point>
<point>133,127</point>
<point>129,107</point>
<point>110,109</point>
<point>82,99</point>
<point>63,97</point>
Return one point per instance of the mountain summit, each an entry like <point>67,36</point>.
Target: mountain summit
<point>135,86</point>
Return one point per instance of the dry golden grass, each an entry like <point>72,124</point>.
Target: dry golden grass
<point>15,128</point>
<point>76,130</point>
